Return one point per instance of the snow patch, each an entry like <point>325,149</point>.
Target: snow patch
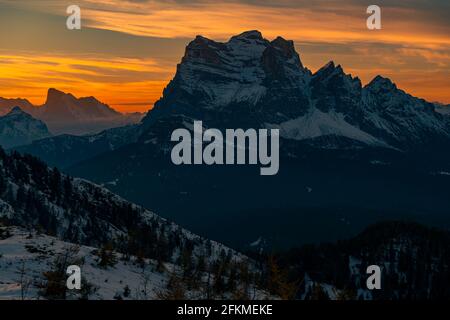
<point>317,123</point>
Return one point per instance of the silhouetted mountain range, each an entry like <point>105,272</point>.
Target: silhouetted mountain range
<point>64,113</point>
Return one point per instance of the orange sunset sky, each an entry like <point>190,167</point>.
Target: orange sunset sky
<point>127,51</point>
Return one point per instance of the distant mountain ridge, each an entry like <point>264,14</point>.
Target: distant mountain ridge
<point>64,113</point>
<point>6,105</point>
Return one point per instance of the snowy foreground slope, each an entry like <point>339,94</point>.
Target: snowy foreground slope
<point>80,211</point>
<point>25,257</point>
<point>76,212</point>
<point>35,254</point>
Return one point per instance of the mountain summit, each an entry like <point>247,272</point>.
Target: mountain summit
<point>64,113</point>
<point>16,111</point>
<point>60,105</point>
<point>248,76</point>
<point>250,81</point>
<point>19,128</point>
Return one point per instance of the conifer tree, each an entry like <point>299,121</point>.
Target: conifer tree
<point>278,282</point>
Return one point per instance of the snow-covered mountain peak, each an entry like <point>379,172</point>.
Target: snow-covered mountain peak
<point>286,46</point>
<point>380,83</point>
<point>250,82</point>
<point>245,50</point>
<point>246,46</point>
<point>247,72</point>
<point>328,67</point>
<point>19,128</point>
<point>281,62</point>
<point>17,111</point>
<point>202,50</point>
<point>248,35</point>
<point>17,114</point>
<point>332,71</point>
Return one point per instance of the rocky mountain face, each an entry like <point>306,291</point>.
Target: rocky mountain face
<point>252,82</point>
<point>65,114</point>
<point>244,82</point>
<point>19,128</point>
